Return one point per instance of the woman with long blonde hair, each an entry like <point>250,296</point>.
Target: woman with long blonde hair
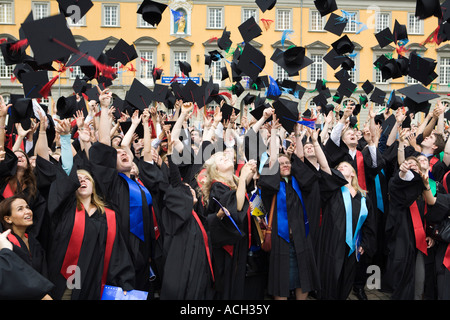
<point>87,249</point>
<point>347,231</point>
<point>230,223</point>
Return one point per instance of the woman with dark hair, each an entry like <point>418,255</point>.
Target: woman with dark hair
<point>87,245</point>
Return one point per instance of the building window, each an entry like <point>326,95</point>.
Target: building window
<point>110,15</point>
<point>41,10</point>
<point>215,18</point>
<point>141,23</point>
<point>411,80</point>
<point>178,56</point>
<point>352,74</point>
<point>415,25</point>
<point>76,71</point>
<point>79,23</point>
<point>215,72</point>
<point>283,19</point>
<point>146,64</point>
<point>316,71</point>
<point>249,12</point>
<point>317,21</point>
<point>5,71</point>
<point>281,74</point>
<point>444,70</point>
<point>6,12</point>
<point>382,21</point>
<point>351,23</point>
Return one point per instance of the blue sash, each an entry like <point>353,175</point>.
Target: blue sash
<point>136,213</point>
<point>378,192</point>
<point>349,238</point>
<point>282,219</point>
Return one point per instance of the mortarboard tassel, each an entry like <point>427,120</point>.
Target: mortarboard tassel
<point>226,94</point>
<point>174,78</point>
<point>433,37</point>
<point>13,78</point>
<point>104,69</point>
<point>16,46</point>
<point>266,23</point>
<point>213,39</point>
<point>3,40</point>
<point>45,90</point>
<point>273,89</point>
<point>285,36</point>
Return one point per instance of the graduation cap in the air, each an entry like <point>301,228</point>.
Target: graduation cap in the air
<point>400,32</point>
<point>343,45</point>
<point>224,41</point>
<point>287,113</point>
<point>335,24</point>
<point>421,69</point>
<point>321,100</point>
<point>13,51</point>
<point>50,38</point>
<point>20,69</point>
<point>185,67</point>
<point>122,52</point>
<point>428,8</point>
<point>322,88</point>
<point>250,29</point>
<point>160,92</point>
<point>139,96</point>
<point>326,109</point>
<point>93,48</point>
<point>338,97</point>
<point>66,106</point>
<point>224,73</point>
<point>156,73</point>
<point>347,88</point>
<point>265,4</point>
<point>236,73</point>
<point>252,61</point>
<point>334,59</point>
<point>215,55</point>
<point>188,91</point>
<point>293,88</point>
<point>67,7</point>
<point>390,70</point>
<point>259,106</point>
<point>384,37</point>
<point>342,75</point>
<point>367,87</point>
<point>378,96</point>
<point>445,7</point>
<point>291,60</point>
<point>33,83</point>
<point>227,110</point>
<point>28,19</point>
<point>22,112</point>
<point>126,125</point>
<point>249,98</point>
<point>151,11</point>
<point>394,101</point>
<point>237,89</point>
<point>417,97</point>
<point>325,6</point>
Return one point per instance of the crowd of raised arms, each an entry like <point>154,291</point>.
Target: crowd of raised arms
<point>235,207</point>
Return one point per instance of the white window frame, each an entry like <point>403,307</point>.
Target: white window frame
<point>5,71</point>
<point>314,57</point>
<point>35,11</point>
<point>415,25</point>
<point>380,23</point>
<point>444,68</point>
<point>112,5</point>
<point>315,15</point>
<point>245,17</point>
<point>175,65</point>
<point>4,18</point>
<point>351,26</point>
<point>280,73</point>
<point>146,67</point>
<point>76,72</point>
<point>221,14</point>
<point>279,26</point>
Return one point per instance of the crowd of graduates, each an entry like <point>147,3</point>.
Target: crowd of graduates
<point>179,209</point>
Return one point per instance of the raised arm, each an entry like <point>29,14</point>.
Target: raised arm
<point>104,127</point>
<point>41,148</point>
<point>185,109</point>
<point>320,155</point>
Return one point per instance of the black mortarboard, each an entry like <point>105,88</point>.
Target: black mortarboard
<point>262,82</point>
<point>367,87</point>
<point>227,110</point>
<point>338,97</point>
<point>12,55</point>
<point>428,8</point>
<point>67,8</point>
<point>335,24</point>
<point>126,125</point>
<point>200,94</point>
<point>160,92</point>
<point>445,7</point>
<point>394,101</point>
<point>151,11</point>
<point>400,32</point>
<point>326,109</point>
<point>249,98</point>
<point>342,75</point>
<point>122,52</point>
<point>378,96</point>
<point>250,29</point>
<point>208,60</point>
<point>322,88</point>
<point>236,73</point>
<point>20,69</point>
<point>384,37</point>
<point>224,42</point>
<point>390,70</point>
<point>260,105</point>
<point>92,93</point>
<point>334,59</point>
<point>421,69</point>
<point>237,89</point>
<point>266,4</point>
<point>320,100</point>
<point>325,6</point>
<point>28,19</point>
<point>403,65</point>
<point>170,101</point>
<point>66,107</point>
<point>185,67</point>
<point>353,122</point>
<point>224,73</point>
<point>33,83</point>
<point>50,38</point>
<point>293,88</point>
<point>188,91</point>
<point>22,112</point>
<point>286,111</point>
<point>347,88</point>
<point>215,55</point>
<point>252,61</point>
<point>343,45</point>
<point>291,60</point>
<point>418,93</point>
<point>407,122</point>
<point>92,48</point>
<point>139,96</point>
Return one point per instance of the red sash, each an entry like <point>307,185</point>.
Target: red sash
<point>13,239</point>
<point>205,240</point>
<point>446,261</point>
<point>419,232</point>
<point>444,181</point>
<point>433,161</point>
<point>76,241</point>
<point>361,172</point>
<point>8,192</point>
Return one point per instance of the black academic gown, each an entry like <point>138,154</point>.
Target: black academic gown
<point>278,284</point>
<point>337,269</point>
<point>116,191</point>
<point>435,215</point>
<point>229,265</point>
<point>187,273</point>
<point>19,281</point>
<point>400,239</point>
<point>62,208</point>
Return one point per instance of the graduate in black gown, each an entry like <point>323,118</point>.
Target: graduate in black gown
<point>340,244</point>
<point>188,271</point>
<point>88,251</point>
<point>292,262</point>
<point>16,215</point>
<point>18,280</point>
<point>231,242</point>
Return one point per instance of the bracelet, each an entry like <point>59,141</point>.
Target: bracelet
<point>428,189</point>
